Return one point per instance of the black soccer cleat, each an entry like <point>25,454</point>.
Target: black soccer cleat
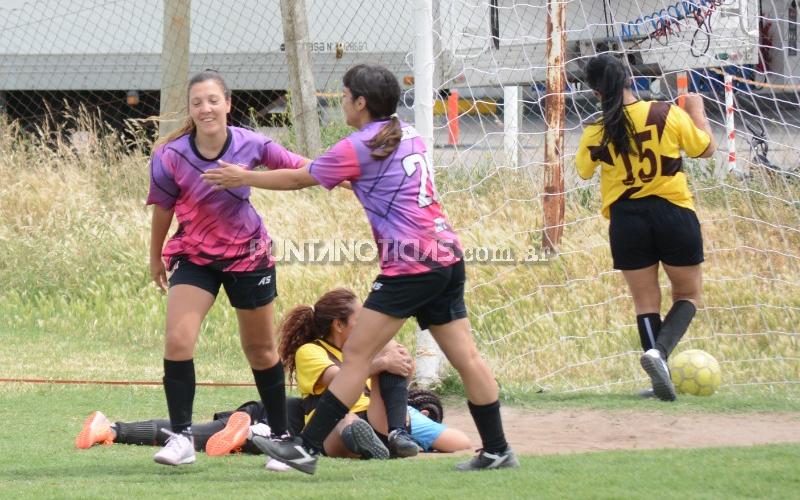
<point>401,445</point>
<point>360,438</point>
<point>485,461</point>
<point>658,371</point>
<point>646,393</point>
<point>288,451</point>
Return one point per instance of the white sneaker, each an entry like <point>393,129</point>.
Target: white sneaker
<point>276,466</point>
<point>259,429</point>
<point>657,369</point>
<point>179,450</point>
<point>263,430</point>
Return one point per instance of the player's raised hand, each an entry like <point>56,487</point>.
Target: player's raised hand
<point>226,176</point>
<point>693,103</point>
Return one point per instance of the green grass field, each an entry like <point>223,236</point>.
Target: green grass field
<point>38,459</point>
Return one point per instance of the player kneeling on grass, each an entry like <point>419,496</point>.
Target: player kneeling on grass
<point>311,349</point>
<point>422,269</point>
<point>645,195</point>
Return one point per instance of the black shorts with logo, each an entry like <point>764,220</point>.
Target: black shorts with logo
<point>245,290</point>
<point>434,298</point>
<point>645,231</point>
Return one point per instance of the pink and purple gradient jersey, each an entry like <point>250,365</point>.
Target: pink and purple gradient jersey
<point>220,229</point>
<point>398,194</point>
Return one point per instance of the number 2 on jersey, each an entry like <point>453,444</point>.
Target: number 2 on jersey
<point>416,161</point>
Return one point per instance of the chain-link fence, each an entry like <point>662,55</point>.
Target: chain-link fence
<point>106,55</point>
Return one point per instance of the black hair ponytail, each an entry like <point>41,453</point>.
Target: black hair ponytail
<point>381,90</point>
<point>606,75</point>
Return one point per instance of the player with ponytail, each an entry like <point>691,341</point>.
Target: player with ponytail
<point>311,349</point>
<point>646,197</point>
<point>422,269</point>
<point>220,241</point>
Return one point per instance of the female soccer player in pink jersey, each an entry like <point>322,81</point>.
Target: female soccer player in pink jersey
<point>422,271</point>
<point>220,241</point>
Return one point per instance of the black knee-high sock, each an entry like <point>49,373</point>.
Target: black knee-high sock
<point>179,385</point>
<point>394,391</point>
<point>328,413</point>
<point>271,385</point>
<point>490,426</point>
<point>675,324</point>
<point>141,433</point>
<point>649,326</point>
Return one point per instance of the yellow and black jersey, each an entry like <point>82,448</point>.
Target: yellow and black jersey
<point>662,131</point>
<point>310,361</point>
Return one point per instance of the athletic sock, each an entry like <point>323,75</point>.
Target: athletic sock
<point>490,426</point>
<point>271,385</point>
<point>675,324</point>
<point>179,385</point>
<point>328,413</point>
<point>649,326</point>
<point>394,391</point>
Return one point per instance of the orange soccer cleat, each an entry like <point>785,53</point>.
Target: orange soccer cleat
<point>96,430</point>
<point>231,438</point>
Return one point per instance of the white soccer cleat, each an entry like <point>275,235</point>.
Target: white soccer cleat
<point>277,466</point>
<point>259,429</point>
<point>179,450</point>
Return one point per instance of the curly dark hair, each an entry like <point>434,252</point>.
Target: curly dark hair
<point>303,324</point>
<point>423,399</point>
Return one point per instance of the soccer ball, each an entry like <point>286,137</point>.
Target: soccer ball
<point>695,372</point>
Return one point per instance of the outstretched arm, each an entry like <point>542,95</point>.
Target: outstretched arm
<point>229,176</point>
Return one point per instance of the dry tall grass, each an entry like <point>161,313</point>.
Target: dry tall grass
<point>75,230</point>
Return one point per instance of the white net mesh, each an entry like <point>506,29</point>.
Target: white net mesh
<point>564,323</point>
<point>570,323</point>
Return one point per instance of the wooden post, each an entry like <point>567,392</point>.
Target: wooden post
<point>174,64</point>
<point>553,196</point>
<point>301,78</point>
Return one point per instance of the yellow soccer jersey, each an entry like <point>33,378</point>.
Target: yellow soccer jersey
<point>663,130</point>
<point>310,361</point>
